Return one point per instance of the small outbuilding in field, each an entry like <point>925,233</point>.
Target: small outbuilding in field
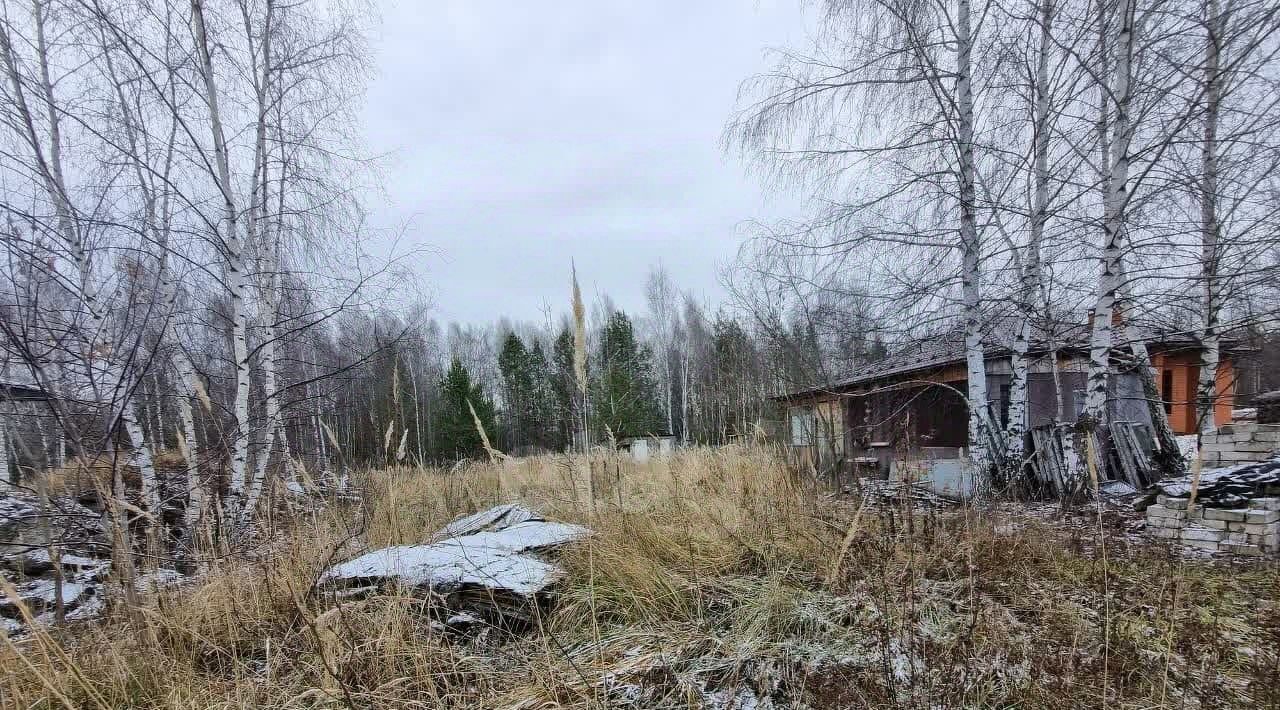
<point>912,406</point>
<point>642,448</point>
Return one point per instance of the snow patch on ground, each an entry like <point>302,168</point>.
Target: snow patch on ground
<point>43,592</point>
<point>735,699</point>
<point>461,619</point>
<point>447,566</point>
<point>66,560</point>
<point>492,559</point>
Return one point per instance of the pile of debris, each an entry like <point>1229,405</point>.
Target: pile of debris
<point>26,527</point>
<point>75,582</point>
<point>1127,459</point>
<point>26,523</point>
<point>1236,510</point>
<point>1226,487</point>
<point>486,564</point>
<point>877,492</point>
<point>57,555</point>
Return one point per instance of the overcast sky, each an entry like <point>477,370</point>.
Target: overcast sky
<point>526,134</point>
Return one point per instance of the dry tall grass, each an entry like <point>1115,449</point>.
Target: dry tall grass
<point>712,581</point>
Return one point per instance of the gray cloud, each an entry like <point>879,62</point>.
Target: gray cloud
<point>526,134</point>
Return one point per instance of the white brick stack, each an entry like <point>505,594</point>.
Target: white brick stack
<point>1254,530</point>
<point>1240,443</point>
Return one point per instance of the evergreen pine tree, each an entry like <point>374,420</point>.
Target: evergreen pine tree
<point>541,418</point>
<point>456,434</point>
<point>518,391</point>
<point>625,402</point>
<point>563,388</point>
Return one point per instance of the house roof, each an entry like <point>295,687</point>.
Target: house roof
<point>948,348</point>
<point>95,383</point>
<point>18,392</point>
<point>17,384</point>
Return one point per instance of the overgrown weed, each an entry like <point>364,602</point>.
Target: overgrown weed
<point>708,581</point>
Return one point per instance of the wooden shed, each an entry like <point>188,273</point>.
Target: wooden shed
<point>914,402</point>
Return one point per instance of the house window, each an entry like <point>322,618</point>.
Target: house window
<point>1166,390</point>
<point>802,426</point>
<point>1004,406</point>
<point>1078,397</point>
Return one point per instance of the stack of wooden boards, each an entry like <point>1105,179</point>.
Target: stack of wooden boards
<point>1128,458</point>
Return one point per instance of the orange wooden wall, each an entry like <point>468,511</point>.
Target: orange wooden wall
<point>1185,368</point>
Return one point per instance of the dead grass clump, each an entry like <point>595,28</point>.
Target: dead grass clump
<point>710,581</point>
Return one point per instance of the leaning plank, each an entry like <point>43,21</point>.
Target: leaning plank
<point>1121,447</point>
<point>1134,458</point>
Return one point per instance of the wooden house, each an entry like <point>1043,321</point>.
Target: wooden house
<point>914,402</point>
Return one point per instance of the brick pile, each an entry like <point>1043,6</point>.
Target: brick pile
<point>1252,530</point>
<point>1237,507</point>
<point>1240,443</point>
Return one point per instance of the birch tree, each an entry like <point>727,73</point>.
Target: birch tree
<point>1238,157</point>
<point>866,117</point>
<point>176,176</point>
<point>662,299</point>
<point>36,112</point>
<point>1121,115</point>
<point>1032,298</point>
<point>1117,120</point>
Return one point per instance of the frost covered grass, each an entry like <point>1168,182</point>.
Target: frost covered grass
<point>711,581</point>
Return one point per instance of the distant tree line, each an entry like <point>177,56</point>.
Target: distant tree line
<point>668,370</point>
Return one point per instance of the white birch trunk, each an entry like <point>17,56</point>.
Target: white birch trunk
<point>140,456</point>
<point>1114,205</point>
<point>1210,357</point>
<point>1210,227</point>
<point>152,430</point>
<point>44,438</point>
<point>322,448</point>
<point>59,447</point>
<point>267,353</point>
<point>1016,428</point>
<point>268,296</point>
<point>1102,336</point>
<point>671,420</point>
<point>684,397</point>
<point>282,434</point>
<point>162,438</point>
<point>970,247</point>
<point>1031,287</point>
<point>237,276</point>
<point>5,463</point>
<point>187,385</point>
